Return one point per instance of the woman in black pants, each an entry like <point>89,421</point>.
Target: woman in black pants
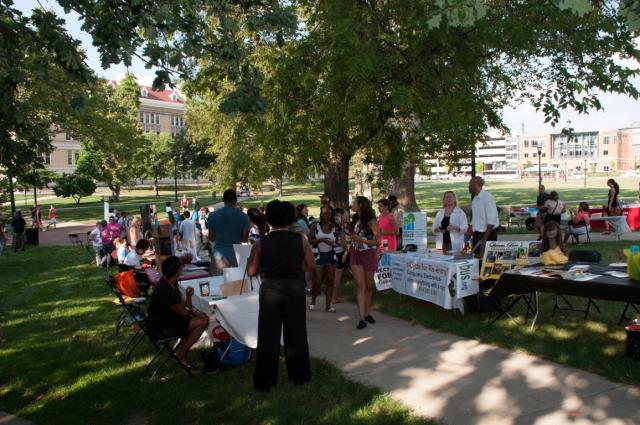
<point>281,258</point>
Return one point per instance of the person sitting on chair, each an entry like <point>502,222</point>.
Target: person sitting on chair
<point>579,224</point>
<point>172,317</point>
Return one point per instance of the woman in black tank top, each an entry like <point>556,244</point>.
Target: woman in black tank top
<point>281,258</point>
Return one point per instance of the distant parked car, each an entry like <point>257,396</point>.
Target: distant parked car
<point>244,192</point>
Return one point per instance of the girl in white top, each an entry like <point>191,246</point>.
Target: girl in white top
<point>450,224</point>
<point>323,235</point>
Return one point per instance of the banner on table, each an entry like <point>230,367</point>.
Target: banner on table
<point>437,281</point>
<point>382,277</point>
<point>414,229</point>
<point>430,281</point>
<point>500,257</point>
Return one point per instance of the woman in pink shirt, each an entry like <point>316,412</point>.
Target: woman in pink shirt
<point>579,225</point>
<point>388,226</point>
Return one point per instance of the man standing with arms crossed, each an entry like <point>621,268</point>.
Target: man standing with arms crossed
<point>227,226</point>
<point>484,216</point>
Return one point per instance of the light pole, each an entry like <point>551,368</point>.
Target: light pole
<point>585,172</point>
<point>539,165</point>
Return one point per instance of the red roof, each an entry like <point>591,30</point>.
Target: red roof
<point>160,95</point>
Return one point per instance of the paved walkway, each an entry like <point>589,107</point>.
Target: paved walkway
<point>8,419</point>
<point>462,381</point>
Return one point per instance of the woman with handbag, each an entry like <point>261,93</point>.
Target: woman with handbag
<point>613,206</point>
<point>281,258</point>
<point>553,208</point>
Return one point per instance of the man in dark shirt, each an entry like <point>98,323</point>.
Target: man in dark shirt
<point>18,224</point>
<point>542,196</point>
<point>169,316</point>
<point>540,200</point>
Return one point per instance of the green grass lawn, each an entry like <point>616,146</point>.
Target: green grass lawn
<point>596,345</point>
<point>60,363</point>
<point>428,195</point>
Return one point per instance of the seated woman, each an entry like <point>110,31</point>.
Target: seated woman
<point>553,252</point>
<point>122,249</point>
<point>133,260</point>
<point>170,316</point>
<point>579,225</point>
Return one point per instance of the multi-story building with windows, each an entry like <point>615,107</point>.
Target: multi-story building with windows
<point>160,112</point>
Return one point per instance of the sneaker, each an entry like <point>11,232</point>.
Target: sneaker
<point>331,309</point>
<point>307,292</point>
<point>361,325</point>
<point>370,319</point>
<point>312,307</point>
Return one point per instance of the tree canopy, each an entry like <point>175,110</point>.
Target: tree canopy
<point>43,79</point>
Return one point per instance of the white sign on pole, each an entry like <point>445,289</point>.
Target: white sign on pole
<point>105,211</point>
<point>414,229</point>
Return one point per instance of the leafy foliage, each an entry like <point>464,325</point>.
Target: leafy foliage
<point>111,137</point>
<point>42,81</point>
<point>75,186</point>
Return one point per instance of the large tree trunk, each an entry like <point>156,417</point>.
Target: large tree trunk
<point>35,196</point>
<point>358,177</point>
<point>336,179</point>
<point>155,185</point>
<point>404,188</point>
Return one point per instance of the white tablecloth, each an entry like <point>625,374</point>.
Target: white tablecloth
<point>237,314</point>
<point>441,282</point>
<point>619,223</point>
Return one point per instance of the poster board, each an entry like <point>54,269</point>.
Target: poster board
<point>500,257</point>
<point>414,229</point>
<point>382,277</point>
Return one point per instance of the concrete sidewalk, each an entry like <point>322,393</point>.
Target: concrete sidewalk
<point>462,381</point>
<point>8,419</point>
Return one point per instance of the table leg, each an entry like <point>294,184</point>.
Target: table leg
<point>537,310</point>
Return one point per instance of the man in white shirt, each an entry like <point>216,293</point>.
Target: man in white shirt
<point>484,216</point>
<point>188,232</point>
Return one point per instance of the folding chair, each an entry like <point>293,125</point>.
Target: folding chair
<point>575,229</point>
<point>163,345</point>
<point>75,239</point>
<point>584,256</point>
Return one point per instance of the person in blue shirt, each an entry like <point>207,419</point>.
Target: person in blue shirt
<point>227,226</point>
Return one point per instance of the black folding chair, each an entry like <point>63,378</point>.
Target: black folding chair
<point>164,346</point>
<point>583,256</point>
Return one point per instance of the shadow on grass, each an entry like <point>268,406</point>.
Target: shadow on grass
<point>61,364</point>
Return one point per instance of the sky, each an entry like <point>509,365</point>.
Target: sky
<point>619,111</point>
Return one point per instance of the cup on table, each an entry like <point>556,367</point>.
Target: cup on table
<point>204,289</point>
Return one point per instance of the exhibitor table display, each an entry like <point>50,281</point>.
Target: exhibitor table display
<point>440,279</point>
<point>237,314</point>
<point>590,281</point>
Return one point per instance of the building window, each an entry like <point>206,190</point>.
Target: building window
<point>142,117</point>
<point>46,157</point>
<point>76,155</point>
<point>526,155</point>
<point>526,143</point>
<point>535,155</point>
<point>69,136</point>
<point>605,140</point>
<point>534,143</point>
<point>157,118</point>
<point>605,153</point>
<point>606,168</point>
<point>69,157</point>
<point>544,155</point>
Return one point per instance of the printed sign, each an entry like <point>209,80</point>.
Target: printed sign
<point>500,257</point>
<point>436,281</point>
<point>382,277</point>
<point>414,229</point>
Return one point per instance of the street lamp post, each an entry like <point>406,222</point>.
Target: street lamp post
<point>539,165</point>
